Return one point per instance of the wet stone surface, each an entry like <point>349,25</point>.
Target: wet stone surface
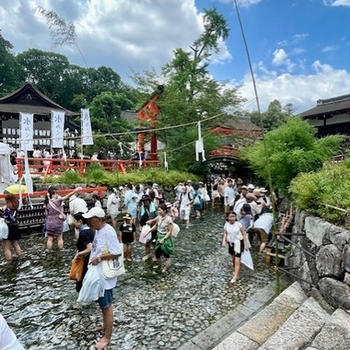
<point>153,310</point>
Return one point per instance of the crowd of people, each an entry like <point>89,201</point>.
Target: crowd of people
<point>143,211</point>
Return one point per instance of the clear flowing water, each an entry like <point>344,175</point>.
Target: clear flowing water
<point>153,310</point>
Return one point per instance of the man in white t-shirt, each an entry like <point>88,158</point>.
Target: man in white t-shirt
<point>105,235</point>
<point>76,205</point>
<point>8,339</point>
<point>229,196</point>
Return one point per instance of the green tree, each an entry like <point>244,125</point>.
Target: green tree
<point>105,118</point>
<point>292,148</point>
<point>48,70</point>
<point>10,70</point>
<point>190,93</point>
<point>273,117</point>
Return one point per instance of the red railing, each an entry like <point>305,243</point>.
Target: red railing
<point>45,166</point>
<point>99,191</point>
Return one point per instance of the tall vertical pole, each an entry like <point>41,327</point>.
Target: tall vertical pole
<point>267,162</point>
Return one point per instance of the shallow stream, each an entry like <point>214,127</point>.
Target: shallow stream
<point>153,310</point>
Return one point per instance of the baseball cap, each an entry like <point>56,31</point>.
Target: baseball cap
<point>95,211</point>
<point>251,187</point>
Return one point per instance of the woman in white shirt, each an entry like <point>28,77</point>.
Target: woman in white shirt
<point>113,202</point>
<point>236,238</point>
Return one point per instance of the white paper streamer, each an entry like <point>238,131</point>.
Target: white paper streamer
<point>26,131</point>
<point>200,145</point>
<point>166,166</point>
<point>57,127</point>
<point>86,132</point>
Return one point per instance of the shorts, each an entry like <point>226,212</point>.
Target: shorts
<point>261,234</point>
<point>158,252</point>
<point>106,301</point>
<point>185,213</point>
<point>231,250</point>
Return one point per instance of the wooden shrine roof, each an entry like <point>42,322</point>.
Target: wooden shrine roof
<point>28,99</point>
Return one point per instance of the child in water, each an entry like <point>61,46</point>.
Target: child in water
<point>128,236</point>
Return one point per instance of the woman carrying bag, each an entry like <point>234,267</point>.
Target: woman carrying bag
<point>164,242</point>
<point>55,216</point>
<point>237,240</point>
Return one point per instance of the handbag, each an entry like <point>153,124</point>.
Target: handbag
<point>145,234</point>
<point>4,229</point>
<point>175,231</point>
<point>76,270</point>
<point>112,268</point>
<point>62,216</point>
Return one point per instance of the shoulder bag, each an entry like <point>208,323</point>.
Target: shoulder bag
<point>112,268</point>
<point>61,215</point>
<point>76,270</point>
<point>4,229</point>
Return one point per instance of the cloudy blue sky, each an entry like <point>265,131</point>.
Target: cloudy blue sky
<point>299,48</point>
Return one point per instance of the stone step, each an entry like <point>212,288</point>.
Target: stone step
<point>300,328</point>
<point>335,334</point>
<point>264,324</point>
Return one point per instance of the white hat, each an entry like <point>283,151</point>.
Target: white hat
<point>95,211</point>
<point>250,187</point>
<point>263,190</point>
<point>155,186</point>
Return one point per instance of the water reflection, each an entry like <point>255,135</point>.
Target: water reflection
<point>152,310</point>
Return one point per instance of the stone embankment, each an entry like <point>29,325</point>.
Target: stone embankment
<point>326,269</point>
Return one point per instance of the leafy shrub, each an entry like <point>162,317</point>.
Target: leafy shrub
<point>291,149</point>
<point>330,185</point>
<point>69,177</point>
<point>96,175</point>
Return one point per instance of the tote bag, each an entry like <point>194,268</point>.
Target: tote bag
<point>114,267</point>
<point>76,270</point>
<point>4,229</point>
<point>246,259</point>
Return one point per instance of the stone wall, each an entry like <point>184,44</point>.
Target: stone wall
<point>328,266</point>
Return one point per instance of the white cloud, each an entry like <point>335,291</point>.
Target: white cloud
<point>280,58</point>
<point>336,2</point>
<point>118,33</point>
<point>298,51</point>
<point>302,90</point>
<point>300,36</point>
<point>222,56</point>
<point>329,48</point>
<point>282,43</point>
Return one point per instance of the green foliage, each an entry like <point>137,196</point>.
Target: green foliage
<point>96,176</point>
<point>330,185</point>
<point>69,177</point>
<point>10,70</point>
<point>273,117</point>
<point>291,149</point>
<point>190,95</point>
